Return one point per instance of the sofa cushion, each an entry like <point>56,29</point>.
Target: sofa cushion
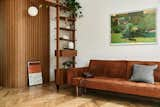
<point>130,68</point>
<point>143,73</point>
<point>109,68</point>
<point>119,85</point>
<point>97,67</point>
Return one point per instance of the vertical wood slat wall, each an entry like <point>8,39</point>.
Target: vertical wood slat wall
<point>22,38</point>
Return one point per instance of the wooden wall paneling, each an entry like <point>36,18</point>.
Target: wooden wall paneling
<point>22,38</point>
<point>37,41</point>
<point>37,38</point>
<point>46,44</point>
<point>20,51</point>
<point>1,39</point>
<point>9,44</point>
<point>7,39</point>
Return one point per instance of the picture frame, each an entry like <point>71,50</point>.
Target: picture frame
<point>34,73</point>
<point>134,27</point>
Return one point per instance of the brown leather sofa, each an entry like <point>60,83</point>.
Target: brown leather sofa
<point>114,76</point>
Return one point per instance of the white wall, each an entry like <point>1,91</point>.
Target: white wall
<point>93,33</point>
<point>52,42</point>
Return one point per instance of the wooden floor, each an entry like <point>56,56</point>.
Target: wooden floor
<point>46,96</point>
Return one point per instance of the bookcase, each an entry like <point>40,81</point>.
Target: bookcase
<point>65,41</point>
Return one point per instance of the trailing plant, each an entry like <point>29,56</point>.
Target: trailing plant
<point>74,7</point>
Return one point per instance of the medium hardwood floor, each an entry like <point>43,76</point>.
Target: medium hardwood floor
<point>46,96</point>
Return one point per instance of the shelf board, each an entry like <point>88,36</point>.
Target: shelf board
<point>66,40</point>
<point>68,49</point>
<point>67,53</point>
<point>66,29</point>
<point>49,3</point>
<point>67,18</point>
<point>62,69</point>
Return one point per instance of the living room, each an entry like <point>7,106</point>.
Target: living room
<point>94,67</point>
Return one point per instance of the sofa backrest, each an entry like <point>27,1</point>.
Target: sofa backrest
<point>109,68</point>
<point>130,68</point>
<point>119,69</point>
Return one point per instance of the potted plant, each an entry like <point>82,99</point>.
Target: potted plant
<point>74,7</point>
<point>68,64</point>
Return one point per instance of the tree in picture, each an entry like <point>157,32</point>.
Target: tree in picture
<point>134,28</point>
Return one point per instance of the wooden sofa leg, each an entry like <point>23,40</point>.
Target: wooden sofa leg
<point>57,86</point>
<point>77,91</point>
<point>85,90</point>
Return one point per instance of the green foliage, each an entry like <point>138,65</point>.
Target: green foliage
<point>117,38</point>
<point>68,64</point>
<point>116,29</point>
<point>74,7</point>
<point>148,22</point>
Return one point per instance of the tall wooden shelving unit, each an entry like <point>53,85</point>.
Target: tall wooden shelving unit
<point>60,73</point>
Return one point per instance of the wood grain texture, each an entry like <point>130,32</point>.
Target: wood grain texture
<point>67,53</point>
<point>7,40</point>
<point>22,38</point>
<point>46,96</point>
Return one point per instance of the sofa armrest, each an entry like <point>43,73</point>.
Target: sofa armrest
<point>75,72</point>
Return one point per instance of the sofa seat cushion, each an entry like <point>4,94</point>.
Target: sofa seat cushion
<point>119,85</point>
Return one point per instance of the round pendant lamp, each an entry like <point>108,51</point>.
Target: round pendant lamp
<point>33,11</point>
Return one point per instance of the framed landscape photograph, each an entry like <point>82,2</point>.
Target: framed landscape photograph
<point>134,27</point>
